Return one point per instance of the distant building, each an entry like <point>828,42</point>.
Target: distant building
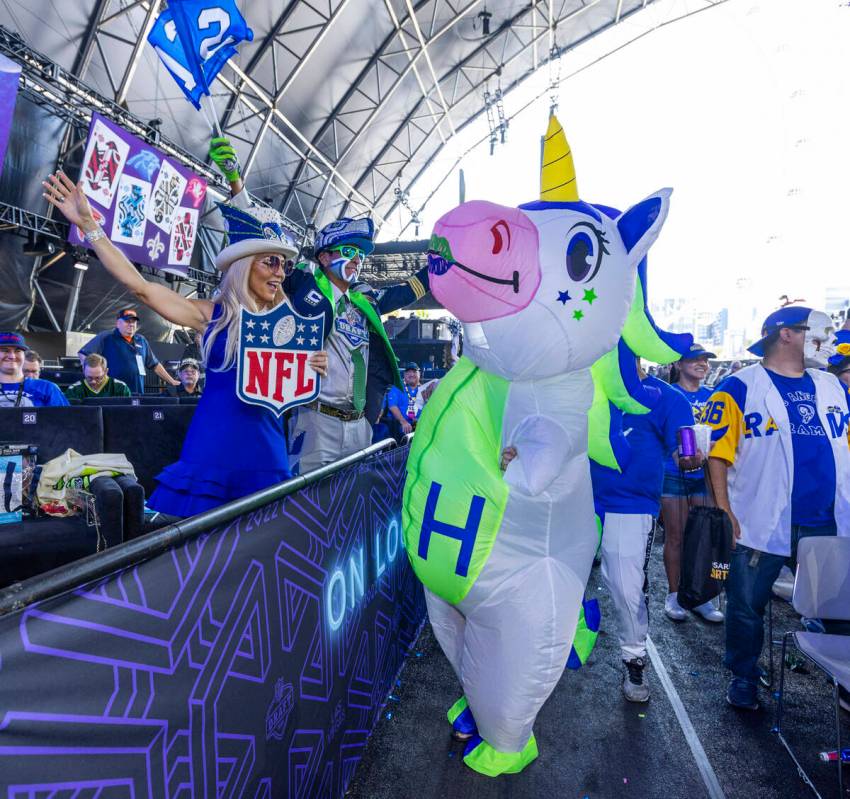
<point>838,302</point>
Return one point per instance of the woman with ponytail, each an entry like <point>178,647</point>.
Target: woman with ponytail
<point>231,448</point>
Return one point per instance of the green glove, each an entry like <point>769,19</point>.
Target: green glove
<point>224,156</point>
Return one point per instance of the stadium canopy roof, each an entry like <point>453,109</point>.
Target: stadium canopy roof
<point>335,103</point>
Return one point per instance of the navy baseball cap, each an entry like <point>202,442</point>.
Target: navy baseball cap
<point>790,316</point>
<point>697,351</point>
<point>10,339</point>
<point>411,366</point>
<point>127,313</point>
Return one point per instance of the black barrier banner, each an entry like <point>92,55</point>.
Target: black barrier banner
<point>252,661</point>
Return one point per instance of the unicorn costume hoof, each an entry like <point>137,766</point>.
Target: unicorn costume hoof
<point>486,760</point>
<point>462,720</point>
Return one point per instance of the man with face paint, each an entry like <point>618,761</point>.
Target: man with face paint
<point>361,361</point>
<point>780,467</point>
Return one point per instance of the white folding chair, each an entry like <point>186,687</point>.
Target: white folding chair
<point>822,591</point>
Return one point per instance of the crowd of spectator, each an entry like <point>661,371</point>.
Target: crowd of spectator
<point>755,461</point>
<point>777,463</point>
<point>114,364</point>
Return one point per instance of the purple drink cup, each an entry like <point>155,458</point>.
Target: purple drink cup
<point>687,442</point>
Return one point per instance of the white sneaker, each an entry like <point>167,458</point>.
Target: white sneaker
<point>709,612</point>
<point>634,687</point>
<point>673,609</point>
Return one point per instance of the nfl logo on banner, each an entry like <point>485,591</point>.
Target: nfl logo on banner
<point>274,348</point>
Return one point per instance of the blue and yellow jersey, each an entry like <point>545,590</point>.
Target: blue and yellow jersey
<point>725,414</point>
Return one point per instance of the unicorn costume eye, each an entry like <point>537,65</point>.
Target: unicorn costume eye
<point>585,249</point>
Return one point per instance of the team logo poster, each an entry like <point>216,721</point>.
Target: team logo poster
<point>147,204</point>
<point>274,349</point>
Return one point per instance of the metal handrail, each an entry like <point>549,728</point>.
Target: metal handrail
<point>65,578</point>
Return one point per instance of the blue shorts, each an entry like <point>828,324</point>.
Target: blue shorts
<point>675,485</point>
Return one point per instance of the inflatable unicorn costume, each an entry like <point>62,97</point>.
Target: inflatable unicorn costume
<point>545,291</point>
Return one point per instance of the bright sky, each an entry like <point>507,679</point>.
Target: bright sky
<point>743,109</point>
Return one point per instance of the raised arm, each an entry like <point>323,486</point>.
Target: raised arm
<point>72,203</point>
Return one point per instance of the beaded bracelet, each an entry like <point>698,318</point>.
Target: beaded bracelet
<point>91,236</point>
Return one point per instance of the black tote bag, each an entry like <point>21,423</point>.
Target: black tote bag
<point>706,555</point>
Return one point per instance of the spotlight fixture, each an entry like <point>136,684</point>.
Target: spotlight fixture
<point>38,245</point>
<point>485,16</point>
<point>154,124</point>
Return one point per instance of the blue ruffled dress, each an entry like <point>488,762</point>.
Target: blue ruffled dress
<point>231,449</point>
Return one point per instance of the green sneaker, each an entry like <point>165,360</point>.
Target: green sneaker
<point>486,760</point>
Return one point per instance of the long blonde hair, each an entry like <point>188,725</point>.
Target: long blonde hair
<point>233,296</point>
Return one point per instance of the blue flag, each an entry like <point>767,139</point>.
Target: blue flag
<point>195,38</point>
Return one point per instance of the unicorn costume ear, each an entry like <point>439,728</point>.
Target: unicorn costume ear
<point>640,225</point>
<point>251,231</point>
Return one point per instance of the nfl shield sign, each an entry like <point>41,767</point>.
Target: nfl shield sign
<point>274,348</point>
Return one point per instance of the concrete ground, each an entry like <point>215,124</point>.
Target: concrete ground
<point>595,745</point>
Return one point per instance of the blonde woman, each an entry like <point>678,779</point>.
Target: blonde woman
<point>232,448</point>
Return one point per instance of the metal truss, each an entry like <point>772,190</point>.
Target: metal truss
<point>539,21</point>
<point>46,83</point>
<point>64,95</point>
<point>510,54</point>
<point>19,219</point>
<point>22,222</point>
<point>430,89</point>
<point>370,93</point>
<point>315,167</point>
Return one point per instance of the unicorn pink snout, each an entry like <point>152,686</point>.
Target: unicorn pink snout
<point>483,261</point>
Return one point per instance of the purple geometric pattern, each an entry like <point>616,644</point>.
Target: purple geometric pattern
<point>252,661</point>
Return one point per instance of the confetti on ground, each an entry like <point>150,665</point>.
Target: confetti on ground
<point>392,698</point>
<point>419,654</point>
<point>389,715</point>
<point>694,674</point>
<point>640,715</point>
<point>625,781</point>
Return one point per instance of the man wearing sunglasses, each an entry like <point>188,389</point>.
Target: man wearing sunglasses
<point>780,467</point>
<point>128,352</point>
<point>361,361</point>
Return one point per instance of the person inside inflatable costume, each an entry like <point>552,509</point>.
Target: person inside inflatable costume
<point>545,292</point>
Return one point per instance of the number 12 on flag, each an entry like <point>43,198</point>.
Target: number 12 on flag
<point>195,39</point>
